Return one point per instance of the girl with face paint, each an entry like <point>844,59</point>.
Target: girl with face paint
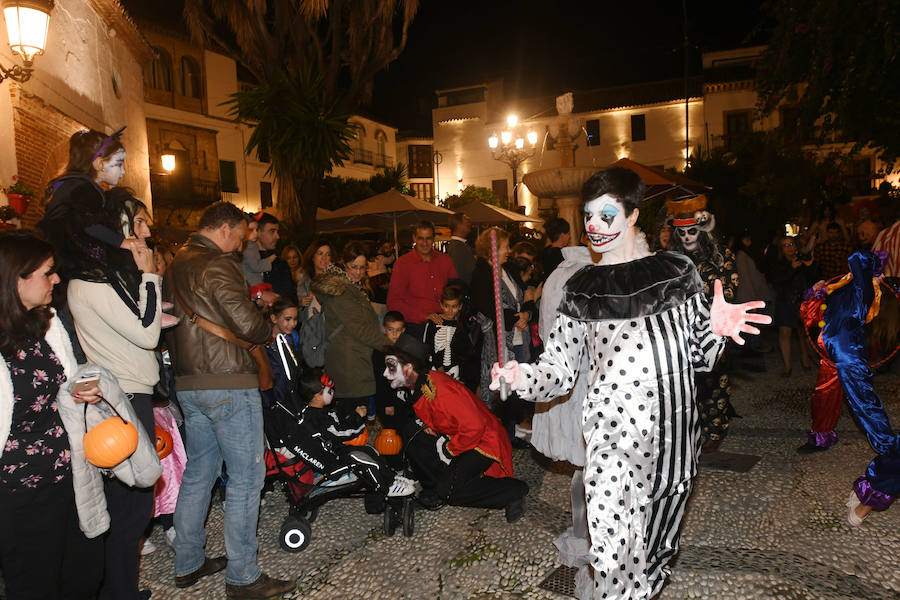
<point>639,326</point>
<point>82,223</point>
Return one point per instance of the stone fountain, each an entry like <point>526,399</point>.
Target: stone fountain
<point>563,183</point>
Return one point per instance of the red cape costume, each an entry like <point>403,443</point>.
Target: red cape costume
<point>449,408</point>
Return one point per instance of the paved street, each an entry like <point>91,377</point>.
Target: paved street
<point>777,531</point>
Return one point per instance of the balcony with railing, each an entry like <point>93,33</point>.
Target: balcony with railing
<point>367,157</point>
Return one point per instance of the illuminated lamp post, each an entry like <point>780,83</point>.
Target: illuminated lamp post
<point>168,162</point>
<point>510,148</point>
<point>27,22</point>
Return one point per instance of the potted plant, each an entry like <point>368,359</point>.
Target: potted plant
<point>19,195</point>
<point>9,218</point>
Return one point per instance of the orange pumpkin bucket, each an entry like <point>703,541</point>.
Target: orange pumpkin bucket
<point>111,441</point>
<point>163,442</point>
<point>388,442</point>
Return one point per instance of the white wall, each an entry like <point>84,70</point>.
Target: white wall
<point>74,75</point>
<point>221,82</point>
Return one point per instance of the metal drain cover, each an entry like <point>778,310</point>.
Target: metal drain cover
<point>561,581</point>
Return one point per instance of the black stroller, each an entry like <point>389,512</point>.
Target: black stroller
<point>304,491</point>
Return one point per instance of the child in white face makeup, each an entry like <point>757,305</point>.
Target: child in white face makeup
<point>389,403</point>
<point>82,223</point>
<point>319,437</point>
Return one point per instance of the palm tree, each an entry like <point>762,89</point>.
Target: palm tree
<point>334,46</point>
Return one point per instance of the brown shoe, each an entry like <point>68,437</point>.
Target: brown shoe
<point>264,587</point>
<point>209,566</point>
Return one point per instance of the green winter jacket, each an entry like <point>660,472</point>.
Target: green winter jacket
<point>348,358</point>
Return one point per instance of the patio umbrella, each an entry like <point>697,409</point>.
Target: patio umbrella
<point>392,207</point>
<point>488,214</point>
<point>660,182</point>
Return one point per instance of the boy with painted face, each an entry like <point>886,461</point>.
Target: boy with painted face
<point>460,453</point>
<point>643,325</point>
<point>390,404</point>
<point>318,439</point>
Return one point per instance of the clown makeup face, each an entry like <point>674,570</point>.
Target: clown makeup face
<point>395,372</point>
<point>605,223</point>
<point>688,237</point>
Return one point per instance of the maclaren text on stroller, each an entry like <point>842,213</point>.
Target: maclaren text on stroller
<point>305,451</point>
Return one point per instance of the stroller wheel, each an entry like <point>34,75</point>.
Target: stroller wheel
<point>309,513</point>
<point>409,517</point>
<point>295,535</point>
<point>390,520</point>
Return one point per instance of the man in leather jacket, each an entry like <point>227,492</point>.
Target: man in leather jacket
<point>217,387</point>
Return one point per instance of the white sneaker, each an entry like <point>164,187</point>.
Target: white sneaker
<point>170,536</point>
<point>852,518</point>
<point>148,548</point>
<point>402,486</point>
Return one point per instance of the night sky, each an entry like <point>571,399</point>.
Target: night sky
<point>539,46</point>
<point>544,47</point>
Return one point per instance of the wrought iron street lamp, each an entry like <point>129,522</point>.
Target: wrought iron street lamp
<point>27,22</point>
<point>168,162</point>
<point>513,147</point>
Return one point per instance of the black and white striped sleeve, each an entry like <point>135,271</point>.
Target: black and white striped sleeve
<point>706,346</point>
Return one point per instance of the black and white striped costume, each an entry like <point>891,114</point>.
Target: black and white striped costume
<point>643,326</point>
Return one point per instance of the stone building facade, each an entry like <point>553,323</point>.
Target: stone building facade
<point>90,76</point>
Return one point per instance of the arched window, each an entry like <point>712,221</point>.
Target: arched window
<point>380,149</point>
<point>190,77</point>
<point>160,73</point>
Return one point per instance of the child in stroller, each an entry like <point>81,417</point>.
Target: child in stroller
<point>306,451</point>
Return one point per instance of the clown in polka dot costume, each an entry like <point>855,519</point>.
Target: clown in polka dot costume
<point>644,326</point>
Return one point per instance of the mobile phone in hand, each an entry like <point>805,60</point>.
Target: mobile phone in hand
<point>84,384</point>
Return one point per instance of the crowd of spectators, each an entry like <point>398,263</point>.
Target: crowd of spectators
<point>410,341</point>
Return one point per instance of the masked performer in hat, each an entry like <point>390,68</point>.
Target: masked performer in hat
<point>693,236</point>
<point>643,324</point>
<point>460,452</point>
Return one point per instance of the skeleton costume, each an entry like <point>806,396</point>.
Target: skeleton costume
<point>692,236</point>
<point>453,350</point>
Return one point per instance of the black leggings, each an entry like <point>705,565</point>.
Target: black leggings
<point>43,553</point>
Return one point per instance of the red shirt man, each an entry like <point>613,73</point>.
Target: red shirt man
<point>419,278</point>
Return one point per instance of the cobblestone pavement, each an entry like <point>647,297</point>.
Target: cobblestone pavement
<point>777,531</point>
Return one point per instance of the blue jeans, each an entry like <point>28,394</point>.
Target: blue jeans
<point>221,424</point>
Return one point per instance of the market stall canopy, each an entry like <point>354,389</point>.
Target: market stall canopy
<point>389,208</point>
<point>660,182</point>
<point>488,214</point>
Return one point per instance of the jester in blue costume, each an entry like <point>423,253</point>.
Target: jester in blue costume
<point>848,305</point>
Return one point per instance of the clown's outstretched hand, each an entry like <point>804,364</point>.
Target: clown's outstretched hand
<point>729,320</point>
<point>512,373</point>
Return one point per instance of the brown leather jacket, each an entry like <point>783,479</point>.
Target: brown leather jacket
<point>212,284</point>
